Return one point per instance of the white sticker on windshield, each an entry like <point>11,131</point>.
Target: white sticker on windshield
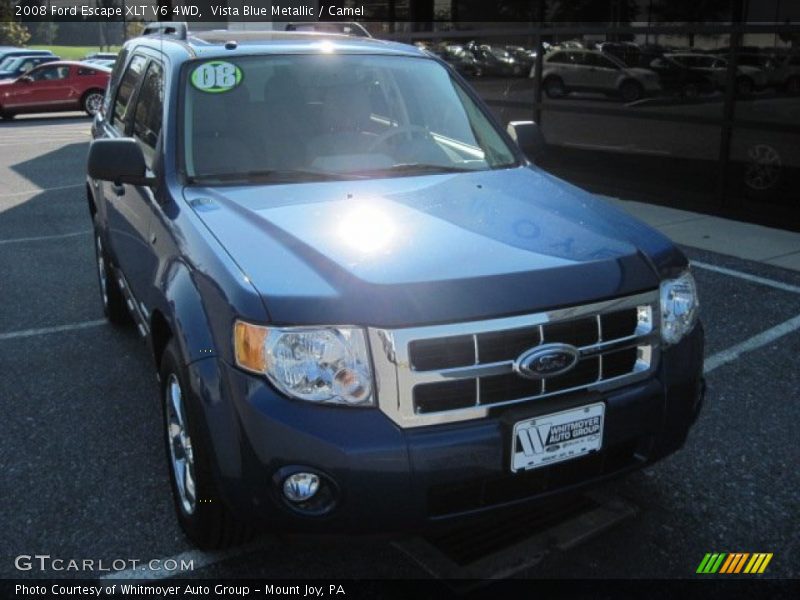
<point>216,76</point>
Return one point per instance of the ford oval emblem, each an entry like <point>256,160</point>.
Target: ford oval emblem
<point>547,360</point>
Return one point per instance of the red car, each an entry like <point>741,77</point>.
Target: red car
<point>56,86</point>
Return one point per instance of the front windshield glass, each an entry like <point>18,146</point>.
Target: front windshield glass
<point>301,117</point>
<point>6,63</point>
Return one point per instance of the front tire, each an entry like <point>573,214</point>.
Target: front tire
<point>631,91</point>
<point>92,102</point>
<point>205,520</point>
<point>744,86</point>
<point>554,88</point>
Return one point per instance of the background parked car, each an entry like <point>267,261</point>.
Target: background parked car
<point>627,52</point>
<point>786,75</point>
<point>13,66</point>
<point>460,59</point>
<point>680,79</point>
<point>748,78</point>
<point>7,51</point>
<point>523,56</point>
<point>100,56</point>
<point>566,71</point>
<point>497,61</point>
<point>55,86</point>
<point>103,62</point>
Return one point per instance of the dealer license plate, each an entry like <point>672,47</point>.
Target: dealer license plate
<point>554,438</point>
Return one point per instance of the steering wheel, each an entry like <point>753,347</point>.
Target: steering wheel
<point>394,131</point>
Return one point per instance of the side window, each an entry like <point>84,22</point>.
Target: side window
<point>126,88</point>
<point>50,73</point>
<point>558,57</point>
<point>116,73</point>
<point>605,63</point>
<point>584,59</point>
<point>149,108</point>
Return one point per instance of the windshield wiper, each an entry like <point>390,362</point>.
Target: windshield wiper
<point>411,168</point>
<point>271,175</point>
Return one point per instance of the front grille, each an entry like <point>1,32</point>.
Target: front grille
<point>506,346</point>
<point>446,373</point>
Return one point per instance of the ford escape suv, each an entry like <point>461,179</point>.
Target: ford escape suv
<point>368,310</point>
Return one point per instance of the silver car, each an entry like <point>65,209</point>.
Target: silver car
<point>748,78</point>
<point>568,71</point>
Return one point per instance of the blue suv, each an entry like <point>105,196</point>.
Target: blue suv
<point>368,310</point>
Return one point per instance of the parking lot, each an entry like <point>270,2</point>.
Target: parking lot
<point>81,448</point>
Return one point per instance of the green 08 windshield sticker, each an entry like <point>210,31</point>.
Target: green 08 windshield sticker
<point>216,76</point>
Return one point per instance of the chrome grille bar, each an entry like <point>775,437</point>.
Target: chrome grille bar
<point>396,378</point>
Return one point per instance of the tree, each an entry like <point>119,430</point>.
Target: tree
<point>11,32</point>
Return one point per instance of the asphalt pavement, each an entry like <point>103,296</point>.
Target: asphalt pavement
<point>82,458</point>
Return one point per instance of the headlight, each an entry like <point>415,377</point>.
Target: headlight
<point>322,364</point>
<point>679,307</point>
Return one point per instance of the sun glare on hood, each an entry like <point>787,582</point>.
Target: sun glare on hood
<point>366,229</point>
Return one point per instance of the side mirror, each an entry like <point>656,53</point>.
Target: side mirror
<point>25,79</point>
<point>528,137</point>
<point>118,160</point>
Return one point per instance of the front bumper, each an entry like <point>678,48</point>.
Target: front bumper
<point>392,479</point>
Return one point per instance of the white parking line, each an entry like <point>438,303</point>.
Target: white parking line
<point>786,287</point>
<point>40,190</point>
<point>13,335</point>
<point>44,237</point>
<point>757,341</point>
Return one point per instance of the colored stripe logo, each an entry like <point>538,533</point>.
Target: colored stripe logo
<point>734,563</point>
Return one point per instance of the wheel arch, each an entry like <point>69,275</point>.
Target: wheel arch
<point>181,314</point>
<point>160,335</point>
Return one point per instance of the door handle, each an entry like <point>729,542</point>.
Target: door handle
<point>119,190</point>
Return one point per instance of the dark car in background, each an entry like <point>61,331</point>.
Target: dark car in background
<point>53,87</point>
<point>628,52</point>
<point>367,309</point>
<point>681,79</point>
<point>8,51</point>
<point>100,56</point>
<point>463,61</point>
<point>784,75</point>
<point>524,57</point>
<point>496,61</point>
<point>748,78</point>
<point>12,67</point>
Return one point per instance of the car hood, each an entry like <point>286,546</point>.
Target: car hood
<point>445,247</point>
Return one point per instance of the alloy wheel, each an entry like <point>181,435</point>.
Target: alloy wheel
<point>180,445</point>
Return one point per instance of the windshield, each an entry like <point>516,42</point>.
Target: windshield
<point>301,117</point>
<point>5,64</point>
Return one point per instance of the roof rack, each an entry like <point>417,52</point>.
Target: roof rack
<point>178,30</point>
<point>343,27</point>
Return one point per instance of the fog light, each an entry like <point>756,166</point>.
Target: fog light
<point>300,487</point>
